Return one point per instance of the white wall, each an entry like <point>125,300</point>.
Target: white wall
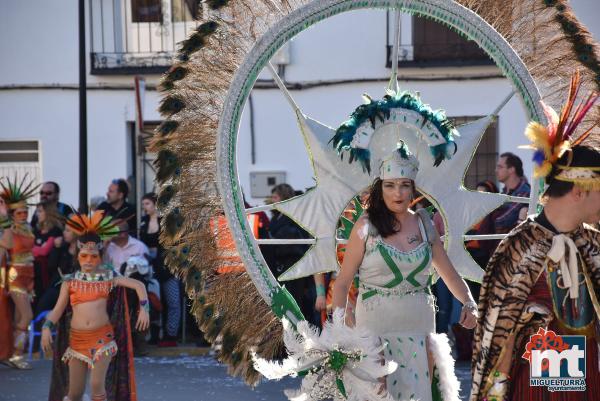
<point>46,55</point>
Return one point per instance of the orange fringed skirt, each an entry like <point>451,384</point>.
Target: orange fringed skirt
<point>90,345</point>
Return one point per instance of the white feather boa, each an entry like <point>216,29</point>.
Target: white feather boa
<point>319,357</point>
<point>442,357</point>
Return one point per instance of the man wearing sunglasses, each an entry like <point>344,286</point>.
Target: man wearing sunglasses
<point>49,194</point>
<point>116,204</point>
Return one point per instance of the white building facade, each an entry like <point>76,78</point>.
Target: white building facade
<point>331,65</point>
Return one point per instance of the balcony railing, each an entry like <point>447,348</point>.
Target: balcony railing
<point>432,44</point>
<point>138,36</point>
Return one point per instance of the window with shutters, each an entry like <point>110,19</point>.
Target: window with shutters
<point>20,158</point>
<point>435,43</point>
<point>483,165</point>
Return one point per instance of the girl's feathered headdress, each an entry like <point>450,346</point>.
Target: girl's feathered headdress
<point>15,194</point>
<point>96,224</point>
<point>551,141</point>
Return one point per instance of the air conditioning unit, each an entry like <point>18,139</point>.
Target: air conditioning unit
<point>262,182</point>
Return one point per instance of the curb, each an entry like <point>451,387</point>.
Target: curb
<point>154,351</point>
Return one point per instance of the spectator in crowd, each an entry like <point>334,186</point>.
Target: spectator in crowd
<point>96,201</point>
<point>509,171</point>
<point>48,234</point>
<point>50,193</point>
<point>448,307</point>
<point>169,284</point>
<point>61,261</point>
<point>262,222</point>
<point>281,257</point>
<point>122,247</point>
<point>116,204</point>
<point>119,251</point>
<point>482,250</point>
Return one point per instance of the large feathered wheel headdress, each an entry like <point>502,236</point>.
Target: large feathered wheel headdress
<point>544,33</point>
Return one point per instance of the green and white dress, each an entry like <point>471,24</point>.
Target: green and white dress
<point>395,304</point>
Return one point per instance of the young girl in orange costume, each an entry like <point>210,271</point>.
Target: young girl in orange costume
<point>93,341</point>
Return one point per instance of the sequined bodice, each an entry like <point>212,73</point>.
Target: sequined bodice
<point>86,287</point>
<point>23,241</point>
<point>387,270</point>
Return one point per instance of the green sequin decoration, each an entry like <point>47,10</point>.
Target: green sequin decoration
<point>337,360</point>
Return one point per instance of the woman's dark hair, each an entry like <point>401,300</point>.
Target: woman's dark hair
<point>122,186</point>
<point>285,191</point>
<point>488,185</point>
<point>379,215</point>
<point>579,156</point>
<point>151,196</point>
<point>53,218</point>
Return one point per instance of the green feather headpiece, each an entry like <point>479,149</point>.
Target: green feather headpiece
<point>15,193</point>
<point>375,111</point>
<point>96,224</point>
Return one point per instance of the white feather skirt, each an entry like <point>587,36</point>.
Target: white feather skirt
<point>406,324</point>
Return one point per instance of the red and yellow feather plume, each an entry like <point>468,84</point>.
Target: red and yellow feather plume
<point>552,140</point>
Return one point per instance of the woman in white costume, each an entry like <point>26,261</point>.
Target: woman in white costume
<point>393,249</point>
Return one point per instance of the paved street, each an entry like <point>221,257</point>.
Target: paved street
<point>183,378</point>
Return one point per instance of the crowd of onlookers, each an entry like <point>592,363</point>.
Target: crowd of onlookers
<point>509,173</point>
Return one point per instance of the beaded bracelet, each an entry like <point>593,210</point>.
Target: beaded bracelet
<point>49,324</point>
<point>144,304</point>
<point>320,290</point>
<point>471,306</point>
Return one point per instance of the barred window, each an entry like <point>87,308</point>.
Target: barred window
<point>483,165</point>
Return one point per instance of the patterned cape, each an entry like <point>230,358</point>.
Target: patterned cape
<point>510,275</point>
<point>120,378</point>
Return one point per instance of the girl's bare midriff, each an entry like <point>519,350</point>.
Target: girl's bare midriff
<point>90,315</point>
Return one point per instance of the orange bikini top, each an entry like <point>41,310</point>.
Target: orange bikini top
<point>85,287</point>
<point>23,241</point>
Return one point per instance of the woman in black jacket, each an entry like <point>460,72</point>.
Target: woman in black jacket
<point>169,284</point>
<point>282,257</point>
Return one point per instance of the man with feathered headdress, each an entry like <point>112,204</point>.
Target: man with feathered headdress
<point>543,281</point>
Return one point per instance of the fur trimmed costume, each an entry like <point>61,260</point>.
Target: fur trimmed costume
<point>506,307</point>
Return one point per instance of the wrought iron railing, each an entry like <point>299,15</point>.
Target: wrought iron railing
<point>138,36</point>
